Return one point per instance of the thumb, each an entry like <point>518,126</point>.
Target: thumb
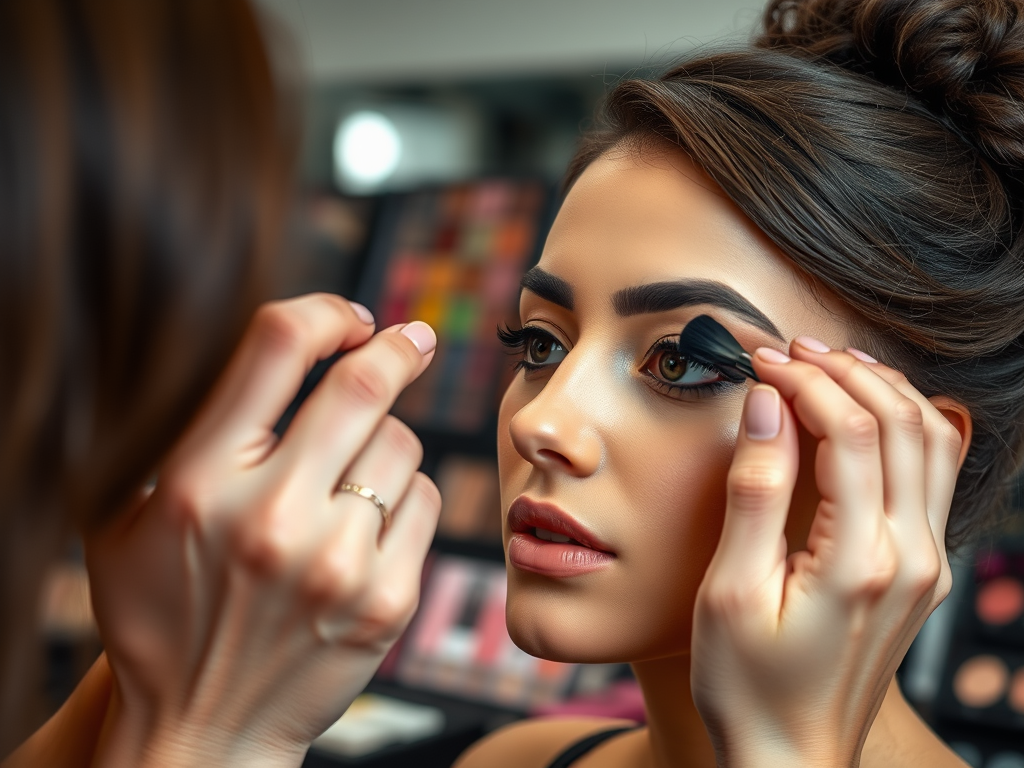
<point>759,489</point>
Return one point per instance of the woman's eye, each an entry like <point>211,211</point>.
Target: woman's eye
<point>542,349</point>
<point>672,368</point>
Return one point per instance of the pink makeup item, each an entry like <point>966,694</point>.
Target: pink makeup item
<point>999,597</point>
<point>986,686</point>
<point>706,341</point>
<point>979,709</point>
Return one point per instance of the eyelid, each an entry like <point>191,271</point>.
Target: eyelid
<point>534,325</point>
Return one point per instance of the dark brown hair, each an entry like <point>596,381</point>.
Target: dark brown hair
<point>144,176</point>
<point>880,145</point>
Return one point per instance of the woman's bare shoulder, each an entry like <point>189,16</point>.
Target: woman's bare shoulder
<point>532,743</point>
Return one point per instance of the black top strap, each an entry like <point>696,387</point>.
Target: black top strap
<point>575,751</point>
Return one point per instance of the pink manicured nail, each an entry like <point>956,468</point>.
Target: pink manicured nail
<point>812,344</point>
<point>770,355</point>
<point>362,312</point>
<point>762,415</point>
<point>420,334</point>
<point>862,356</point>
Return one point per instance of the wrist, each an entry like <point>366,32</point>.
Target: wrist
<point>142,739</point>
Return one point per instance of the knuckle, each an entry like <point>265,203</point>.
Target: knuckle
<point>898,379</point>
<point>725,600</point>
<point>184,500</point>
<point>280,326</point>
<point>909,416</point>
<point>365,382</point>
<point>390,609</point>
<point>425,490</point>
<point>924,576</point>
<point>264,552</point>
<point>944,583</point>
<point>401,439</point>
<point>262,539</point>
<point>859,429</point>
<point>876,578</point>
<point>950,439</point>
<point>336,579</point>
<point>753,485</point>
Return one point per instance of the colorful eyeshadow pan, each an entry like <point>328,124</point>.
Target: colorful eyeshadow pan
<point>981,681</point>
<point>1000,601</point>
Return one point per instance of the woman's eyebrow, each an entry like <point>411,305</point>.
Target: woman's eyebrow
<point>548,287</point>
<point>661,297</point>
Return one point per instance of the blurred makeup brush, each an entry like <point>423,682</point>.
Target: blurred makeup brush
<point>705,340</point>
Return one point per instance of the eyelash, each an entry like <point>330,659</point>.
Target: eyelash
<point>517,340</point>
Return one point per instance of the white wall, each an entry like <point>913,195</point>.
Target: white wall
<point>376,41</point>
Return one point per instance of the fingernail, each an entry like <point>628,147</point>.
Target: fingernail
<point>762,415</point>
<point>420,334</point>
<point>362,312</point>
<point>770,355</point>
<point>862,356</point>
<point>812,344</point>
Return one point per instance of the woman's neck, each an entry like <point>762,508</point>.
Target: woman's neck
<point>676,733</point>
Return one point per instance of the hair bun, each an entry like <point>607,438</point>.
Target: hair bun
<point>963,59</point>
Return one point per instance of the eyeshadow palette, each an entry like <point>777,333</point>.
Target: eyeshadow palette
<point>453,257</point>
<point>985,685</point>
<point>979,710</point>
<point>999,597</point>
<point>458,643</point>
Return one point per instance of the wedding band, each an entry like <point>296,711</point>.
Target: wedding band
<point>367,493</point>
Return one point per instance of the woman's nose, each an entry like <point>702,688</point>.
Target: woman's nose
<point>556,431</point>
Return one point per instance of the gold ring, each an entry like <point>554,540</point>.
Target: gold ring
<point>367,493</point>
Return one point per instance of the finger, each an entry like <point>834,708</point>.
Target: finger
<point>281,345</point>
<point>342,413</point>
<point>371,594</point>
<point>386,466</point>
<point>413,525</point>
<point>901,430</point>
<point>850,520</point>
<point>941,451</point>
<point>752,546</point>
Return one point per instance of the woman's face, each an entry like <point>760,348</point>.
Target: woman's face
<point>607,438</point>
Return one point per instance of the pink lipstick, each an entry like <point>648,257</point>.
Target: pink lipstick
<point>547,541</point>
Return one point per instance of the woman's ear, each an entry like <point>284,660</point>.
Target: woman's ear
<point>957,415</point>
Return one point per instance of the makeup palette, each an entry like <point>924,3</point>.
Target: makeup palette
<point>458,643</point>
<point>453,257</point>
<point>980,707</point>
<point>987,686</point>
<point>999,597</point>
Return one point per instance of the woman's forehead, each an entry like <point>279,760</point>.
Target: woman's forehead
<point>635,218</point>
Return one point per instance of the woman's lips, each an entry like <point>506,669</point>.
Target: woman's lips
<point>585,553</point>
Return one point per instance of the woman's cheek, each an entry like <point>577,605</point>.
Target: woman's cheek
<point>678,525</point>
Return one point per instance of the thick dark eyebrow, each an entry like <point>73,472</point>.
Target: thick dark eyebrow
<point>548,287</point>
<point>661,297</point>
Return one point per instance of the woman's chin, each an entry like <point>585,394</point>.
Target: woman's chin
<point>572,631</point>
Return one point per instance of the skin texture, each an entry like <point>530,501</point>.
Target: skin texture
<point>651,475</point>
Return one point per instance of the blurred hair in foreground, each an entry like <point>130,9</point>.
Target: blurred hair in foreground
<point>145,176</point>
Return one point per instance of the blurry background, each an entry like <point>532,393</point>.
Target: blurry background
<point>436,136</point>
